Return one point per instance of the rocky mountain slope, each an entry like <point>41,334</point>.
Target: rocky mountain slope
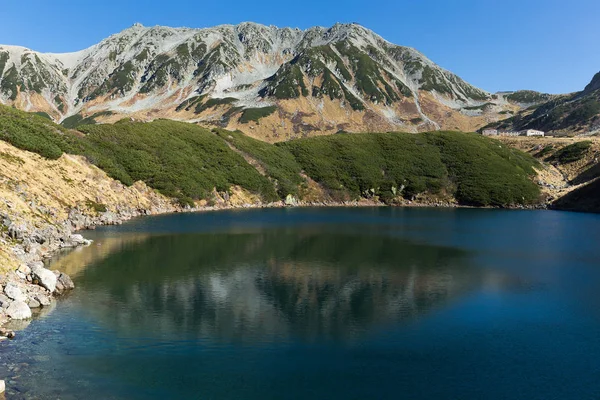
<point>276,83</point>
<point>570,178</point>
<point>570,114</point>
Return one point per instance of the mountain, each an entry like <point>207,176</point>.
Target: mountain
<point>275,83</point>
<point>576,113</point>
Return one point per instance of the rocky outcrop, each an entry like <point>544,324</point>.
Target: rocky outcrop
<point>30,288</point>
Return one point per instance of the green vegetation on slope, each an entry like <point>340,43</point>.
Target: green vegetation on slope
<point>571,153</point>
<point>376,164</point>
<point>528,97</point>
<point>76,120</point>
<point>479,171</point>
<point>32,132</point>
<point>180,160</point>
<point>186,161</point>
<point>279,164</point>
<point>255,114</point>
<point>585,198</point>
<point>287,83</point>
<point>486,172</point>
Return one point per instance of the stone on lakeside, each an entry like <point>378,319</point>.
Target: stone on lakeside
<point>14,293</point>
<point>44,300</point>
<point>45,277</point>
<point>18,310</point>
<point>4,301</point>
<point>33,303</point>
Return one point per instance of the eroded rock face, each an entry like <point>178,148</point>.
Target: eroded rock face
<point>18,310</point>
<point>45,277</point>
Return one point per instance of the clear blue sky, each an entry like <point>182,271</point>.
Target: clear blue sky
<point>544,45</point>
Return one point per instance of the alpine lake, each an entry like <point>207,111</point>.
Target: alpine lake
<point>322,303</point>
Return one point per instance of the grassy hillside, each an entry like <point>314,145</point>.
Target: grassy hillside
<point>278,163</point>
<point>32,132</point>
<point>477,170</point>
<point>486,172</point>
<point>186,161</point>
<point>179,159</point>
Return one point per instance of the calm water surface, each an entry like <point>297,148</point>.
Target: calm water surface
<point>323,304</point>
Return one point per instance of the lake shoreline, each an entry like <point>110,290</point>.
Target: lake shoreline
<point>28,282</point>
<point>36,298</point>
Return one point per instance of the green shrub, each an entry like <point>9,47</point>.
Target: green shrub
<point>479,171</point>
<point>279,164</point>
<point>32,132</point>
<point>485,172</point>
<point>255,114</point>
<point>76,120</point>
<point>355,165</point>
<point>571,153</point>
<point>180,160</point>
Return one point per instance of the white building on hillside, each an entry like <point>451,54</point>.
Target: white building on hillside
<point>490,132</point>
<point>532,132</point>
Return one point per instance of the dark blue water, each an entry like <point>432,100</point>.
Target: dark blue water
<point>324,304</point>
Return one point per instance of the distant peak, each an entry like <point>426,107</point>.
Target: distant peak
<point>594,84</point>
<point>137,25</point>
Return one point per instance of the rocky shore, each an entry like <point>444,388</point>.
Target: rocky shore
<point>31,286</point>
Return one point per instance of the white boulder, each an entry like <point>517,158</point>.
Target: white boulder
<point>18,310</point>
<point>45,277</point>
<point>79,240</point>
<point>14,293</point>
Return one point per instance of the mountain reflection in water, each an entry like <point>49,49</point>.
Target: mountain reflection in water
<point>269,286</point>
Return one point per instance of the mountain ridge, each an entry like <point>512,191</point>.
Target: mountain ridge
<point>345,77</point>
<point>568,114</point>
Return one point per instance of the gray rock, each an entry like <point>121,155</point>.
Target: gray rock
<point>16,231</point>
<point>24,269</point>
<point>78,240</point>
<point>66,281</point>
<point>4,301</point>
<point>7,333</point>
<point>45,277</point>
<point>44,300</point>
<point>59,287</point>
<point>14,293</point>
<point>18,310</point>
<point>109,218</point>
<point>33,303</point>
<point>5,219</point>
